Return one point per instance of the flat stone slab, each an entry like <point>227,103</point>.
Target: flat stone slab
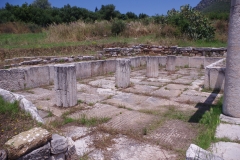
<point>228,119</point>
<point>228,131</point>
<point>174,133</point>
<point>75,132</point>
<point>130,120</point>
<point>141,89</point>
<point>226,150</point>
<point>166,93</point>
<point>126,100</point>
<point>103,83</point>
<point>126,148</point>
<point>100,111</point>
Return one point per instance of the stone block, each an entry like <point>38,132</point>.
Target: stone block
<point>162,60</point>
<point>3,155</point>
<point>65,85</point>
<point>37,76</point>
<point>83,70</point>
<point>59,144</point>
<point>196,62</point>
<point>217,78</point>
<point>123,70</point>
<point>109,66</point>
<point>196,153</point>
<point>171,63</point>
<point>182,61</point>
<point>26,141</point>
<point>152,66</point>
<point>12,79</point>
<point>97,68</point>
<point>210,60</point>
<point>135,62</point>
<point>143,60</point>
<point>58,157</point>
<point>71,151</point>
<point>42,153</point>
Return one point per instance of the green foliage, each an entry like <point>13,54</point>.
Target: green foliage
<point>191,23</point>
<point>118,26</point>
<point>210,120</point>
<point>43,4</point>
<point>8,108</point>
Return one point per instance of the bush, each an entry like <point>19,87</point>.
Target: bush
<point>191,23</point>
<point>118,26</point>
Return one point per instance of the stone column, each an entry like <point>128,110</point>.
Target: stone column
<point>123,70</point>
<point>65,85</point>
<point>231,105</point>
<point>171,63</point>
<point>152,66</point>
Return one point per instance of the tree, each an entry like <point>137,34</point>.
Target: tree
<point>96,9</point>
<point>131,15</point>
<point>43,4</point>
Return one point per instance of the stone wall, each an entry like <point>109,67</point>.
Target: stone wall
<point>215,75</point>
<point>31,77</point>
<point>140,49</point>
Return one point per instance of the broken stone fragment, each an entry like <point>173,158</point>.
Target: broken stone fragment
<point>71,149</point>
<point>3,155</point>
<point>26,142</point>
<point>57,157</point>
<point>59,144</point>
<point>196,153</point>
<point>42,153</point>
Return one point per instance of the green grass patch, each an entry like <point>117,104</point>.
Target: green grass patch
<point>210,120</point>
<point>93,121</point>
<point>39,40</point>
<point>8,108</point>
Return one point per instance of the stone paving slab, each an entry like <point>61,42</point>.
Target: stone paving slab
<point>226,150</point>
<point>99,110</point>
<point>228,131</point>
<point>166,93</point>
<point>130,120</point>
<point>141,89</point>
<point>174,134</point>
<point>126,100</point>
<point>230,120</point>
<point>126,148</point>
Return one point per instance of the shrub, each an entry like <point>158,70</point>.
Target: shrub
<point>191,23</point>
<point>118,26</point>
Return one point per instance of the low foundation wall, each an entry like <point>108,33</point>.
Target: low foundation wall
<point>32,77</point>
<point>215,75</point>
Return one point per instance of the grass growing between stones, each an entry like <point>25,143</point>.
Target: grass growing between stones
<point>210,120</point>
<point>83,120</point>
<point>13,121</point>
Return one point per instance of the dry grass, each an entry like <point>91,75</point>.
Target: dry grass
<point>19,28</point>
<point>78,31</point>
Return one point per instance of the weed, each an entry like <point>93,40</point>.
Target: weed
<point>91,104</point>
<point>144,131</point>
<point>80,101</point>
<point>210,120</point>
<point>93,121</point>
<point>124,107</point>
<point>186,66</point>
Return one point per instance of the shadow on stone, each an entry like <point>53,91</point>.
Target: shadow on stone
<point>205,106</point>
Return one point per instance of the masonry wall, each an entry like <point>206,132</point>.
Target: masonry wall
<point>32,77</point>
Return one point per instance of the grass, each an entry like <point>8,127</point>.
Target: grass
<point>82,120</point>
<point>14,121</point>
<point>39,40</point>
<point>210,120</point>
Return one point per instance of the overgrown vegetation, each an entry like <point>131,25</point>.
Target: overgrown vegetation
<point>13,121</point>
<point>210,120</point>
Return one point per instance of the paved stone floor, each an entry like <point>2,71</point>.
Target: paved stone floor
<point>154,118</point>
